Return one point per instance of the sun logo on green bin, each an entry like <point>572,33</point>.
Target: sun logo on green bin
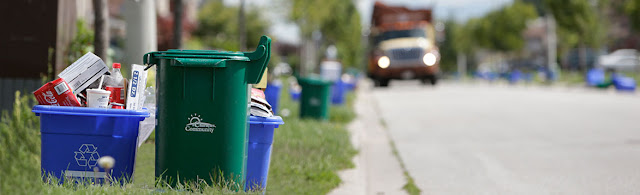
<point>195,124</point>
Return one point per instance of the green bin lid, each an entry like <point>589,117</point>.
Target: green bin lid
<point>261,55</point>
<point>258,59</point>
<point>314,80</point>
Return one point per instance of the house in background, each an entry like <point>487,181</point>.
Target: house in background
<point>37,35</point>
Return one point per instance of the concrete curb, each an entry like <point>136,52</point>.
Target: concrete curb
<point>376,170</point>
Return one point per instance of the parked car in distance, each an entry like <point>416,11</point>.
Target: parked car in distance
<point>620,60</point>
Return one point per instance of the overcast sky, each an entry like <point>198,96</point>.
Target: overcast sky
<point>460,10</point>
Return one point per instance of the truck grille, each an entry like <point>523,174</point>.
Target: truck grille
<point>406,54</point>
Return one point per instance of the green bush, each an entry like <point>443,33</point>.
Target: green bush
<point>20,148</point>
<point>81,44</point>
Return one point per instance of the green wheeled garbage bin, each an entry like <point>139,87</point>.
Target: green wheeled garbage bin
<point>315,97</point>
<point>201,131</point>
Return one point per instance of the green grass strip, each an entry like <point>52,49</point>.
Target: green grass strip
<point>306,156</point>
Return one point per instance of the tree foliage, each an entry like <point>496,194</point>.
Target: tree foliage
<point>499,30</point>
<point>337,20</point>
<point>218,26</point>
<point>632,8</point>
<point>81,43</point>
<point>448,48</point>
<point>579,21</point>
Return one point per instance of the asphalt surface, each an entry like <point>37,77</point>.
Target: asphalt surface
<point>479,138</point>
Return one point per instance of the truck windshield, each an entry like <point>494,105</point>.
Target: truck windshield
<point>400,34</point>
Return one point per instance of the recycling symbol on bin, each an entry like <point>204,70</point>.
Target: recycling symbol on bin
<point>87,155</point>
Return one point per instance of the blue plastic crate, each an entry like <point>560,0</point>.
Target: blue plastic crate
<point>73,138</point>
<point>259,153</point>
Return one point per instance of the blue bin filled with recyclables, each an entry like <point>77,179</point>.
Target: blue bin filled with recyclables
<point>74,138</point>
<point>272,94</point>
<point>259,153</point>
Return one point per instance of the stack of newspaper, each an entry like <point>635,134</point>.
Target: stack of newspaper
<point>259,105</point>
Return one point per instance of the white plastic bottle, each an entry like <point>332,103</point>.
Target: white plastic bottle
<point>115,84</point>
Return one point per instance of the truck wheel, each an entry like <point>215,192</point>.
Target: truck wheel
<point>382,82</point>
<point>429,80</point>
<point>424,81</point>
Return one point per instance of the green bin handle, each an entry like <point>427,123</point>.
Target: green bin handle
<point>199,62</point>
<point>259,60</point>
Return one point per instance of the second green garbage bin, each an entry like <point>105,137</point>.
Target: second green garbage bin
<point>315,97</point>
<point>201,131</point>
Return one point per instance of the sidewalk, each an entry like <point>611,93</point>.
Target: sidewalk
<point>376,170</point>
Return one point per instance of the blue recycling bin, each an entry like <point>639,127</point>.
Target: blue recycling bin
<point>338,92</point>
<point>595,77</point>
<point>74,138</point>
<point>351,85</point>
<point>295,94</point>
<point>624,83</point>
<point>259,155</point>
<point>272,94</point>
<point>527,77</point>
<point>515,76</point>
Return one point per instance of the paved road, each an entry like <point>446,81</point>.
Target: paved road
<point>500,139</point>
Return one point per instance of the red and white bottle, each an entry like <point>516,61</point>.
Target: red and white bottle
<point>115,84</point>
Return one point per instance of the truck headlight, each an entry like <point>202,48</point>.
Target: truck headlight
<point>384,62</point>
<point>429,59</point>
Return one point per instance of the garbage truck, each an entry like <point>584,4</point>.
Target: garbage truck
<point>402,45</point>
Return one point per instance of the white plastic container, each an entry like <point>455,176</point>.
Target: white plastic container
<point>98,98</point>
<point>330,70</point>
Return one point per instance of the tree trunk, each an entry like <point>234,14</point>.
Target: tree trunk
<point>242,32</point>
<point>101,28</point>
<point>582,56</point>
<point>177,24</point>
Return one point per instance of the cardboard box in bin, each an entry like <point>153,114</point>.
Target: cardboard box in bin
<point>84,71</point>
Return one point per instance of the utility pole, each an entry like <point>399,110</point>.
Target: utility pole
<point>242,27</point>
<point>552,42</point>
<point>177,24</point>
<point>462,65</point>
<point>101,28</point>
<point>141,37</point>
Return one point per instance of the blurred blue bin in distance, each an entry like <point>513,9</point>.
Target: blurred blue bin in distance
<point>623,83</point>
<point>74,138</point>
<point>338,92</point>
<point>295,94</point>
<point>515,76</point>
<point>595,77</point>
<point>272,94</point>
<point>527,77</point>
<point>261,131</point>
<point>350,85</point>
